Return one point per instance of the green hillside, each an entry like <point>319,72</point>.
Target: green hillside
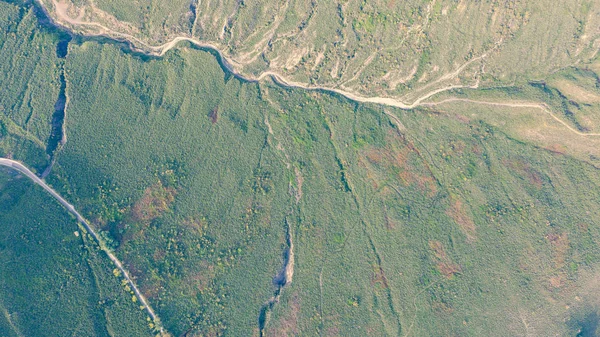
<point>246,208</point>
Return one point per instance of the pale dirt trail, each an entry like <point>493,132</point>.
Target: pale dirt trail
<point>531,105</point>
<point>25,171</point>
<point>231,65</point>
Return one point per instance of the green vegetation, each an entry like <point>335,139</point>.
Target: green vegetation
<point>441,219</point>
<point>30,83</point>
<point>456,220</point>
<point>54,280</point>
<point>30,71</point>
<point>445,220</point>
<point>190,214</point>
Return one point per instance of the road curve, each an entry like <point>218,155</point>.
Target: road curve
<point>62,20</point>
<point>231,65</point>
<point>15,165</point>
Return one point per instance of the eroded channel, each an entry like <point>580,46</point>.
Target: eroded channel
<point>58,135</point>
<point>280,281</point>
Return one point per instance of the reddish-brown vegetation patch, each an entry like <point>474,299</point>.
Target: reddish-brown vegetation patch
<point>399,159</point>
<point>477,149</point>
<point>202,278</point>
<point>583,227</point>
<point>150,290</point>
<point>379,277</point>
<point>458,146</point>
<point>389,222</point>
<point>299,183</point>
<point>196,223</point>
<point>334,325</point>
<point>212,331</point>
<point>442,261</point>
<point>374,156</point>
<point>426,183</point>
<point>159,254</point>
<point>214,115</point>
<point>132,268</point>
<point>442,307</point>
<point>462,118</point>
<point>560,247</point>
<point>149,287</point>
<point>525,170</point>
<point>556,148</point>
<point>461,215</point>
<point>154,202</point>
<point>557,281</point>
<point>98,222</point>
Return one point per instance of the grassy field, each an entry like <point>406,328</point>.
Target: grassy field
<point>30,85</point>
<point>450,218</point>
<point>187,213</point>
<point>456,219</point>
<point>457,223</point>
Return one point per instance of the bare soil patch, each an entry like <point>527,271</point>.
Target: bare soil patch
<point>576,93</point>
<point>379,277</point>
<point>556,148</point>
<point>214,115</point>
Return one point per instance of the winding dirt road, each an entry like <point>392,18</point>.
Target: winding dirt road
<point>15,165</point>
<point>63,20</point>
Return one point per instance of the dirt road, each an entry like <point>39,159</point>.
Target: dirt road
<point>61,18</point>
<point>15,165</point>
<point>531,105</point>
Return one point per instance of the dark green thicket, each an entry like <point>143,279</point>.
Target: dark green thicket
<point>54,282</point>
